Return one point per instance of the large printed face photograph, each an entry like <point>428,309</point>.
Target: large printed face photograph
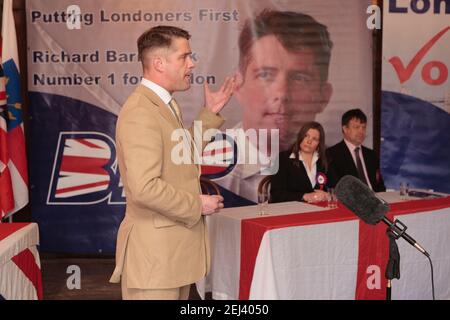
<point>283,74</point>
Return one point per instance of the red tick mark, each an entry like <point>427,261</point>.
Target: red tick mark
<point>405,73</point>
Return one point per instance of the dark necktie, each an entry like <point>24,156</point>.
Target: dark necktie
<point>359,166</point>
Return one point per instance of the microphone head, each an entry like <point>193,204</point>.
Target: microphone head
<point>361,200</point>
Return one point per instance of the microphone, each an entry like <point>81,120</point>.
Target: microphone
<point>363,202</point>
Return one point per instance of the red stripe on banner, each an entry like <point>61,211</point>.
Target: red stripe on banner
<point>16,145</point>
<point>89,144</point>
<point>217,151</point>
<point>373,246</point>
<point>4,154</point>
<point>212,169</point>
<point>84,186</point>
<point>7,194</point>
<point>7,229</point>
<point>84,165</point>
<point>27,264</point>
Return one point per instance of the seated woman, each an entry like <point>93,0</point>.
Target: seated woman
<point>301,174</point>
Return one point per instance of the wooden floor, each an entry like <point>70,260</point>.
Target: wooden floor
<point>95,274</point>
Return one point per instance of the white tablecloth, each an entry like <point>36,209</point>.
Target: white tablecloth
<point>225,235</point>
<point>320,261</point>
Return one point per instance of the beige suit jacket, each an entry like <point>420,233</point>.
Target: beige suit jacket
<point>163,238</point>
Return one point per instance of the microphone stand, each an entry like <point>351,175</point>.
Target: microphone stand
<point>393,265</point>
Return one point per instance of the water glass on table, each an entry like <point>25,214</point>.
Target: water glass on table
<point>404,189</point>
<point>263,200</point>
<point>332,199</point>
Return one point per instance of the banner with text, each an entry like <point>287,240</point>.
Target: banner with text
<point>415,121</point>
<point>82,65</point>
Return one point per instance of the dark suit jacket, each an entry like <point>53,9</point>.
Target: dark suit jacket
<point>340,163</point>
<point>291,182</point>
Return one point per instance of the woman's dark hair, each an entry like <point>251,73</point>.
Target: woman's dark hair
<point>320,148</point>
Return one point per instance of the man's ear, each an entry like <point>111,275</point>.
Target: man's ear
<point>158,63</point>
<point>239,77</point>
<point>239,83</point>
<point>325,95</point>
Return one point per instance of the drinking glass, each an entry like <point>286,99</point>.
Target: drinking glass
<point>332,199</point>
<point>263,200</point>
<point>404,189</point>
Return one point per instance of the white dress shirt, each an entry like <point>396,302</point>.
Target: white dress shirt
<point>312,174</point>
<point>162,93</point>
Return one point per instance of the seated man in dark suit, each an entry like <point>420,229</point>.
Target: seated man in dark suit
<point>346,158</point>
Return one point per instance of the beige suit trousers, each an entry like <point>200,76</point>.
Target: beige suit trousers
<point>181,293</point>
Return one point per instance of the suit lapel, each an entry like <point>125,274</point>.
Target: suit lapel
<point>163,109</point>
<point>169,116</point>
<point>349,158</point>
<point>299,171</point>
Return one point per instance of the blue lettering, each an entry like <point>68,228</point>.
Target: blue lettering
<point>424,3</point>
<point>393,7</point>
<point>421,6</point>
<point>438,5</point>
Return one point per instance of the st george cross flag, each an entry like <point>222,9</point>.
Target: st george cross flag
<point>13,161</point>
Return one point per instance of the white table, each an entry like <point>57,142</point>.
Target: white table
<point>311,252</point>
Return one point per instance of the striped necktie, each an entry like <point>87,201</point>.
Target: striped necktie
<point>176,110</point>
<point>194,152</point>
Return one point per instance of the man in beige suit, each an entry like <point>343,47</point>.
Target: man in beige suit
<point>162,243</point>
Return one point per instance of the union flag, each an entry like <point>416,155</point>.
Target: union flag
<point>13,161</point>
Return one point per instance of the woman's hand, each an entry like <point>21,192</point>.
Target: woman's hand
<point>316,196</point>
